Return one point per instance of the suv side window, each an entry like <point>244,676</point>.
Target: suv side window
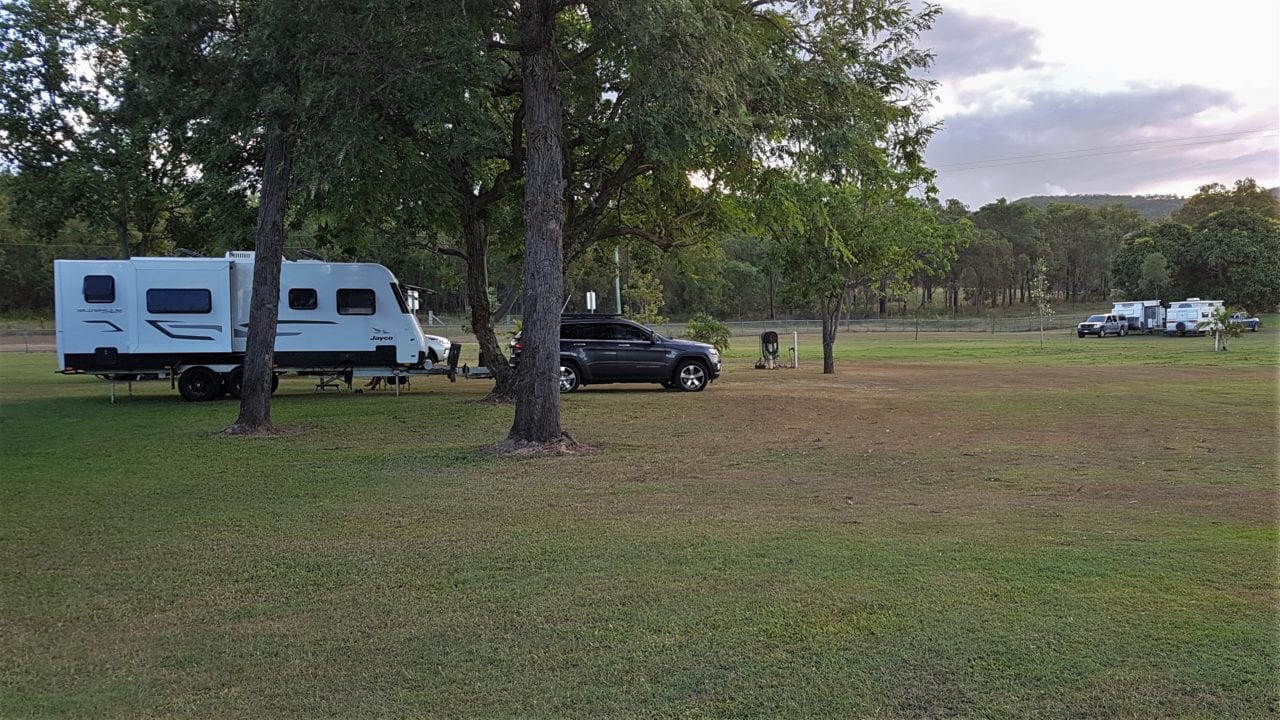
<point>572,331</point>
<point>595,331</point>
<point>627,333</point>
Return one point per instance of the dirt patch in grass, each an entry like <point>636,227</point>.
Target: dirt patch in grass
<point>971,437</point>
<point>269,432</point>
<point>564,446</point>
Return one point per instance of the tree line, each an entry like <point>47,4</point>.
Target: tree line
<point>1091,255</point>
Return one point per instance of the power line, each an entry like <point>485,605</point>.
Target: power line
<point>1126,145</point>
<point>1165,144</point>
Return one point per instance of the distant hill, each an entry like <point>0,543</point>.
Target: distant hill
<point>1152,207</point>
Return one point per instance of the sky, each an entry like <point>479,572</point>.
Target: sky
<point>1040,97</point>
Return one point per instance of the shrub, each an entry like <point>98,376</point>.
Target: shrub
<point>704,328</point>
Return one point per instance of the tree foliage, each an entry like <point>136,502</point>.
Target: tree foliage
<point>704,328</point>
<point>1232,253</point>
<point>1235,257</point>
<point>1212,198</point>
<point>78,149</point>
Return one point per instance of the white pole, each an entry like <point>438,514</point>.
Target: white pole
<point>617,279</point>
<point>795,349</point>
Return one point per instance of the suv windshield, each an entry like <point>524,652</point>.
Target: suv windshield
<point>1097,318</point>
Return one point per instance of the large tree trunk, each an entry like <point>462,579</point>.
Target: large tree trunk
<point>264,308</point>
<point>476,246</point>
<point>537,419</point>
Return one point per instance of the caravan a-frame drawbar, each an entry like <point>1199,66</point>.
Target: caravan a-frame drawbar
<point>187,319</point>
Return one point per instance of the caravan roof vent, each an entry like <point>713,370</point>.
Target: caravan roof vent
<point>240,255</point>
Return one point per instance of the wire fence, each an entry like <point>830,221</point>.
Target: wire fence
<point>42,340</point>
<point>740,328</point>
<point>924,325</point>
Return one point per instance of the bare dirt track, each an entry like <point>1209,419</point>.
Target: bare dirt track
<point>26,343</point>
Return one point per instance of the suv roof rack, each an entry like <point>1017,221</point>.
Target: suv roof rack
<point>585,316</point>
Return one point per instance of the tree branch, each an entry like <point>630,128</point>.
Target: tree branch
<point>584,54</point>
<point>453,252</point>
<point>632,167</point>
<point>515,163</point>
<point>499,45</point>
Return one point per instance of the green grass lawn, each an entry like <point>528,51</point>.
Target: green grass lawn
<point>961,525</point>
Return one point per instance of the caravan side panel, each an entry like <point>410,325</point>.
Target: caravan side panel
<point>184,307</point>
<point>94,313</point>
<point>343,314</point>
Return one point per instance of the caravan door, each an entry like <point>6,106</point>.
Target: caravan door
<point>184,308</point>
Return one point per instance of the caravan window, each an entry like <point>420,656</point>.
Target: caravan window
<point>356,301</point>
<point>193,301</point>
<point>99,289</point>
<point>302,299</point>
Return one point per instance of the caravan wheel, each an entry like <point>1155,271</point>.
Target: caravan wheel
<point>199,384</point>
<point>235,381</point>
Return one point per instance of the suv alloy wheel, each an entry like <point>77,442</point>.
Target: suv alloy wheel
<point>691,376</point>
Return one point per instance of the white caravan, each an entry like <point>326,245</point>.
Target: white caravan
<point>188,319</point>
<point>1183,316</point>
<point>1142,315</point>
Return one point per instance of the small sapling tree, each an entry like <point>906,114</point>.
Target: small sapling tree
<point>1040,295</point>
<point>1219,326</point>
<point>644,294</point>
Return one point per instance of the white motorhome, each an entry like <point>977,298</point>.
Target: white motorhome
<point>188,319</point>
<point>1142,315</point>
<point>1183,316</point>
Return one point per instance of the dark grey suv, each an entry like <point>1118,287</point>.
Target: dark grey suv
<point>598,349</point>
